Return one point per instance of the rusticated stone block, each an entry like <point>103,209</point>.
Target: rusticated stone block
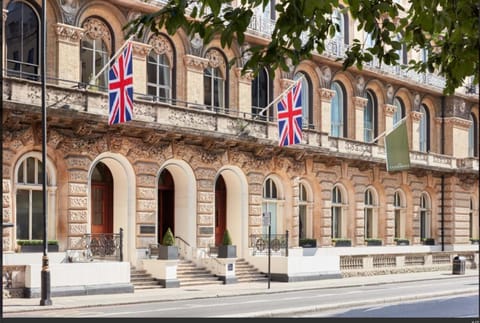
<point>77,189</point>
<point>77,215</point>
<point>76,202</point>
<point>146,193</point>
<point>205,208</point>
<point>77,228</point>
<point>205,219</point>
<point>78,162</point>
<point>146,205</point>
<point>206,196</point>
<point>145,217</point>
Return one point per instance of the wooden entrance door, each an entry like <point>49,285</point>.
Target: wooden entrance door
<point>220,210</point>
<point>102,200</point>
<point>166,205</point>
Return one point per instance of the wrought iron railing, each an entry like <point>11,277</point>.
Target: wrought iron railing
<point>104,246</point>
<point>278,244</point>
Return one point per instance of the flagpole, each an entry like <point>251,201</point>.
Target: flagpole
<point>92,81</point>
<point>280,96</point>
<point>390,130</point>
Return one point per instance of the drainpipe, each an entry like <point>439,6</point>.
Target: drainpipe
<point>442,228</point>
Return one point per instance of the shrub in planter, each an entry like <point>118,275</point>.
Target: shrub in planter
<point>168,250</point>
<point>474,241</point>
<point>402,242</point>
<point>308,243</point>
<point>342,242</point>
<point>226,249</point>
<point>37,245</point>
<point>429,241</point>
<point>373,242</point>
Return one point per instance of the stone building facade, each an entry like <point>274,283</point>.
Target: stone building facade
<point>198,157</point>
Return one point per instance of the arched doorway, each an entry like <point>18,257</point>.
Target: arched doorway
<point>102,199</point>
<point>220,209</point>
<point>166,204</point>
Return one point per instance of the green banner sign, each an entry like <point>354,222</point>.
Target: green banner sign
<point>396,146</point>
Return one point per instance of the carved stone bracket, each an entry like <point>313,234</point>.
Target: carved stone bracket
<point>140,50</point>
<point>326,94</point>
<point>195,63</point>
<point>69,34</point>
<point>389,109</point>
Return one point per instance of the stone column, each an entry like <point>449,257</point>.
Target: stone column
<point>205,207</point>
<point>416,117</point>
<point>389,110</point>
<point>194,79</point>
<point>456,136</point>
<point>326,96</point>
<point>360,104</point>
<point>140,52</point>
<point>244,93</point>
<point>69,64</point>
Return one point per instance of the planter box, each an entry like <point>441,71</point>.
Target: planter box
<point>429,242</point>
<point>38,248</point>
<point>373,242</point>
<point>227,251</point>
<point>343,243</point>
<point>402,242</point>
<point>308,243</point>
<point>474,241</point>
<point>167,252</point>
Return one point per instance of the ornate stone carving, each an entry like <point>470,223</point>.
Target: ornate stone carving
<point>389,109</point>
<point>417,115</point>
<point>360,85</point>
<point>69,33</point>
<point>390,94</point>
<point>326,94</point>
<point>195,63</point>
<point>215,59</point>
<point>197,44</point>
<point>140,50</point>
<point>69,10</point>
<point>360,102</point>
<point>97,29</point>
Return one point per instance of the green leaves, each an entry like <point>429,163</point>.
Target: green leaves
<point>447,29</point>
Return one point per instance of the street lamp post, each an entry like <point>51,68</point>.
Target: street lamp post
<point>45,274</point>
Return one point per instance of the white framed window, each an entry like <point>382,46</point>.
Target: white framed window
<point>425,217</point>
<point>398,209</point>
<point>369,122</point>
<point>29,218</point>
<point>472,137</point>
<point>307,111</point>
<point>22,37</point>
<point>270,206</point>
<point>337,213</point>
<point>95,52</point>
<point>399,111</point>
<point>370,221</point>
<point>337,109</point>
<point>159,76</point>
<point>423,130</point>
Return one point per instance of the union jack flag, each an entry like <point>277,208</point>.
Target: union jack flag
<point>120,88</point>
<point>289,117</point>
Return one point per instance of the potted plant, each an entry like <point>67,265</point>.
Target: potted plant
<point>373,242</point>
<point>341,242</point>
<point>428,241</point>
<point>226,249</point>
<point>36,245</point>
<point>308,243</point>
<point>402,241</point>
<point>474,241</point>
<point>168,249</point>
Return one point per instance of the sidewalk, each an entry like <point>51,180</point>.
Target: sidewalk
<point>11,305</point>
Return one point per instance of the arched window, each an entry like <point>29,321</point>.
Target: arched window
<point>269,205</point>
<point>159,69</point>
<point>473,137</point>
<point>369,118</point>
<point>302,210</point>
<point>22,33</point>
<point>370,220</point>
<point>261,92</point>
<point>29,199</point>
<point>399,111</point>
<point>338,125</point>
<point>307,109</point>
<point>214,80</point>
<point>337,213</point>
<point>95,51</point>
<point>399,223</point>
<point>402,52</point>
<point>424,130</point>
<point>425,217</point>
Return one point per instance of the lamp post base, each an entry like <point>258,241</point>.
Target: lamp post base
<point>45,283</point>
